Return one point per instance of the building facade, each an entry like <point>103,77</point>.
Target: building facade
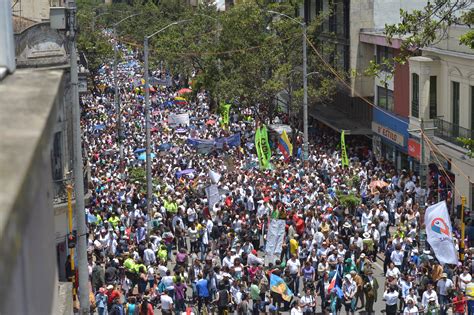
<point>442,101</point>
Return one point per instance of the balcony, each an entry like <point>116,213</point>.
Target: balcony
<point>450,132</point>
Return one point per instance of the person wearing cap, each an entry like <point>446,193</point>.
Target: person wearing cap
<point>410,308</point>
<point>349,289</point>
<point>444,288</point>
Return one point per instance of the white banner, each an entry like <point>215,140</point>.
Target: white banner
<point>178,119</point>
<point>213,196</point>
<point>275,237</point>
<point>439,233</point>
<point>214,176</point>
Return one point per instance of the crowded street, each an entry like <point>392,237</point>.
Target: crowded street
<point>229,231</point>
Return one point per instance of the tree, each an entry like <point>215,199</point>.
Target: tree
<point>425,27</point>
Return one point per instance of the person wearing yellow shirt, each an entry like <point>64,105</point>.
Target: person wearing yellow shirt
<point>293,247</point>
<point>114,220</point>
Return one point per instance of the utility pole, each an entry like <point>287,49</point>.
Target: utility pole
<point>305,97</point>
<point>149,184</point>
<point>423,165</point>
<point>80,217</point>
<point>463,230</point>
<point>305,83</point>
<point>117,98</point>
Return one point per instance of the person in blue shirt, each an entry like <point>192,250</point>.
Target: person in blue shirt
<point>202,288</point>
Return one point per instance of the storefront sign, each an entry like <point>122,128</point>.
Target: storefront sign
<point>388,134</point>
<point>414,148</point>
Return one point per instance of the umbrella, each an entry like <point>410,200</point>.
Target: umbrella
<point>142,156</point>
<point>164,146</point>
<point>184,91</point>
<point>378,183</point>
<point>179,98</point>
<point>137,151</point>
<point>210,122</point>
<point>99,127</point>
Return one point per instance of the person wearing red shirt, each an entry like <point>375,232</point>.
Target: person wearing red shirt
<point>459,303</point>
<point>112,294</point>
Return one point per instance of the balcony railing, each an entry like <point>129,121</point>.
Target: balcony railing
<point>450,132</point>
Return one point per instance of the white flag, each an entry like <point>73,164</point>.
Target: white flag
<point>439,233</point>
<point>214,176</point>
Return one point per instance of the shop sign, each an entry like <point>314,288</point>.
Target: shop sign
<point>414,148</point>
<point>388,133</point>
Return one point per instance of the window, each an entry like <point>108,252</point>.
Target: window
<point>455,103</point>
<point>384,54</point>
<point>385,98</point>
<point>319,7</point>
<point>415,95</point>
<point>56,154</point>
<point>433,97</point>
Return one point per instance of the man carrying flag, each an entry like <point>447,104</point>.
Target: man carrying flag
<point>285,146</point>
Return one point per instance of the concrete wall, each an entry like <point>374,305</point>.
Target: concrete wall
<point>39,45</point>
<point>36,10</point>
<point>28,272</point>
<point>388,11</point>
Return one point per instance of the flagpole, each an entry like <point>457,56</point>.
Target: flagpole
<point>463,230</point>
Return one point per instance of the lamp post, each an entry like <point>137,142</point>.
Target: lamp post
<point>305,84</point>
<point>116,92</point>
<point>149,187</point>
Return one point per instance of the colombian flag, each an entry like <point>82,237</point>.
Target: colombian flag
<point>285,146</point>
<point>279,286</point>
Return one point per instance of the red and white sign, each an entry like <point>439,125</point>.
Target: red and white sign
<point>388,134</point>
<point>414,148</point>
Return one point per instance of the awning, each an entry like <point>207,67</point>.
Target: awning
<point>337,120</point>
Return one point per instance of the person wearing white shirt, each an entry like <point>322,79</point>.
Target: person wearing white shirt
<point>444,285</point>
<point>228,261</point>
<point>397,256</point>
<point>391,299</point>
<point>149,257</point>
<point>294,267</point>
<point>464,279</point>
<point>427,295</point>
<point>308,302</point>
<point>349,289</point>
<point>392,271</point>
<point>166,303</point>
<point>411,308</point>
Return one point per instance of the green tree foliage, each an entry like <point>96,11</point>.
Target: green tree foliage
<point>425,27</point>
<point>244,55</point>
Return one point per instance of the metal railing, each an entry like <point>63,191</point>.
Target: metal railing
<point>450,132</point>
<point>415,108</point>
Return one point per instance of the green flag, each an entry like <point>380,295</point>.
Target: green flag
<point>258,146</point>
<point>344,159</point>
<point>225,114</point>
<point>267,152</point>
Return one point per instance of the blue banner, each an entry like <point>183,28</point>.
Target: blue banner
<point>207,145</point>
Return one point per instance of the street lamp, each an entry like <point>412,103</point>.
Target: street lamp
<point>305,84</point>
<point>116,93</point>
<point>149,187</point>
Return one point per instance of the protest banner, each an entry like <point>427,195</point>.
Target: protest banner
<point>178,119</point>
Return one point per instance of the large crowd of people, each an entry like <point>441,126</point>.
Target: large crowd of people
<point>180,256</point>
